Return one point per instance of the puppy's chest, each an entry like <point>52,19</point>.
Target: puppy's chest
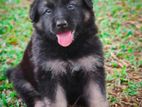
<point>85,64</point>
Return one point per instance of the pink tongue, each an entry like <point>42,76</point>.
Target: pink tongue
<point>65,38</point>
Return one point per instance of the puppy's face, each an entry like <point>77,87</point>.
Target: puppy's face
<point>60,19</point>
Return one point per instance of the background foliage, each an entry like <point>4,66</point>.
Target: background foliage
<point>120,24</point>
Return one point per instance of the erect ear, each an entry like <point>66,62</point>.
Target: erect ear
<point>89,3</point>
<point>34,11</point>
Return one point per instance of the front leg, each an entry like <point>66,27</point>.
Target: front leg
<point>51,91</point>
<point>58,101</point>
<point>93,67</point>
<point>95,96</point>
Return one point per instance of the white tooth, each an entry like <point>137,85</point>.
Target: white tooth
<point>73,32</point>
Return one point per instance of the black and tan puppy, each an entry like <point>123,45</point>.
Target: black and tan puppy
<point>63,63</point>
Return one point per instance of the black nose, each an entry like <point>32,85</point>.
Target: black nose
<point>61,24</point>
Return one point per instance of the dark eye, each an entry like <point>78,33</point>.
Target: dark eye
<point>47,11</point>
<point>71,6</point>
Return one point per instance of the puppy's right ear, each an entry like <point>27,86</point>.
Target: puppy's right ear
<point>34,11</point>
<point>89,3</point>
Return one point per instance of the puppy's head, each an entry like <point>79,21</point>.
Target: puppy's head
<point>61,20</point>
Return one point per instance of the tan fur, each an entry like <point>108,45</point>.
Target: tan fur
<point>39,103</point>
<point>87,15</point>
<point>43,103</point>
<point>60,98</point>
<point>88,64</point>
<point>39,25</point>
<point>57,66</point>
<point>95,97</point>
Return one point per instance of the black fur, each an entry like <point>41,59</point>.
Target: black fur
<point>89,3</point>
<point>46,64</point>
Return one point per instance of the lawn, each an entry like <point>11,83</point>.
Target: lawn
<point>120,29</point>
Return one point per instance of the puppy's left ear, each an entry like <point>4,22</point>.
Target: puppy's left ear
<point>34,11</point>
<point>89,3</point>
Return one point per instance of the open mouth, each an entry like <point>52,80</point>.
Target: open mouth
<point>65,38</point>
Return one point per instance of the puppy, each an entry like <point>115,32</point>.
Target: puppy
<point>63,63</point>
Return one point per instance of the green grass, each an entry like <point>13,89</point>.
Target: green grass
<point>120,30</point>
<point>14,22</point>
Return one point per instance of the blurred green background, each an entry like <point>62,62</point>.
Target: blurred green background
<point>120,29</point>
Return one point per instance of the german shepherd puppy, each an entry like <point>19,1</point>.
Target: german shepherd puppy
<point>63,64</point>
